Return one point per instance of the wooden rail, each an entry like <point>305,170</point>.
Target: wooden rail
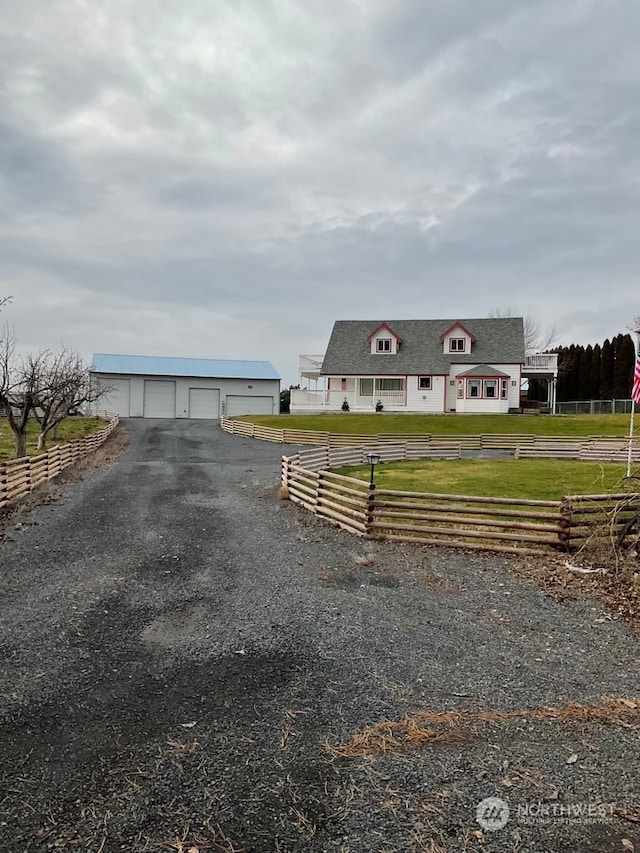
<point>18,477</point>
<point>524,446</point>
<point>506,525</point>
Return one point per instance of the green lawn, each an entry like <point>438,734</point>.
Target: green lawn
<point>450,424</point>
<point>540,479</point>
<point>69,429</point>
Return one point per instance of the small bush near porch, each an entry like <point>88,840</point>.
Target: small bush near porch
<point>537,479</point>
<point>69,430</point>
<point>350,423</point>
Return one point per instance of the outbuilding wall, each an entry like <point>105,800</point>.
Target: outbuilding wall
<point>237,389</point>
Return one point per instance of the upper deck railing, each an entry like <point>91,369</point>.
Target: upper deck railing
<point>544,362</point>
<point>310,365</point>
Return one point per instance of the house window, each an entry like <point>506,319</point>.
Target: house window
<point>460,389</point>
<point>485,389</point>
<point>474,388</point>
<point>390,384</point>
<point>491,388</point>
<point>383,345</point>
<point>343,383</point>
<point>456,344</point>
<point>424,383</point>
<point>369,386</point>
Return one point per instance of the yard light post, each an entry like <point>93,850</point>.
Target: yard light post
<point>372,459</point>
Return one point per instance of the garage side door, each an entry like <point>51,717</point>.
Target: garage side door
<point>117,401</point>
<point>204,403</point>
<point>239,405</point>
<point>159,399</point>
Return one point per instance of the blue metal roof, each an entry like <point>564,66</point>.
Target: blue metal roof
<point>152,365</point>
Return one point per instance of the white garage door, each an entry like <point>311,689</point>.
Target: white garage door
<point>117,401</point>
<point>238,405</point>
<point>204,403</point>
<point>159,399</point>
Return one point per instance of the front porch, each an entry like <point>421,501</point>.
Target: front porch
<point>328,393</point>
<point>310,401</point>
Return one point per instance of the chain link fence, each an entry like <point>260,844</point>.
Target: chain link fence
<point>596,407</point>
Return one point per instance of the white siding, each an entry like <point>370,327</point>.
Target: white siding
<point>420,400</point>
<point>183,385</point>
<point>442,397</point>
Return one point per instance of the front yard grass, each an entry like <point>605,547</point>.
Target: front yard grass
<point>69,430</point>
<point>351,423</point>
<point>538,479</point>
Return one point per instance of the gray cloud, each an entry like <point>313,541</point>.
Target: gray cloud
<point>226,179</point>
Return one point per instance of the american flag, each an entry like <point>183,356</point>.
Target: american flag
<point>635,393</point>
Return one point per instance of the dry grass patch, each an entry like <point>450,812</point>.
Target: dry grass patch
<point>618,591</point>
<point>425,727</point>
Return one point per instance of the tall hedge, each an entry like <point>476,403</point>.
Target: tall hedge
<point>598,372</point>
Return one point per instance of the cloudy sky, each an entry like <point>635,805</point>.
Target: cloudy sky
<point>226,178</point>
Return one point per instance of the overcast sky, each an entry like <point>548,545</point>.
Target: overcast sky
<point>225,178</point>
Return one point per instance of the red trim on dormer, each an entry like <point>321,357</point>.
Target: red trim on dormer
<point>388,328</point>
<point>458,325</point>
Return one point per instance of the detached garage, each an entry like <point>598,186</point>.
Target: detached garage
<point>197,388</point>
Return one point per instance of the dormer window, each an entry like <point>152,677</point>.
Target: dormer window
<point>384,340</point>
<point>457,339</point>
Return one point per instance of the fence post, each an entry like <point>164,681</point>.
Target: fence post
<point>318,491</point>
<point>371,496</point>
<point>565,523</point>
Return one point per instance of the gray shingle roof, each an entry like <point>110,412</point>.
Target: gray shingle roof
<point>484,371</point>
<point>499,340</point>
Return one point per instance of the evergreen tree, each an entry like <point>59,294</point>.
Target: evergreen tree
<point>584,385</point>
<point>572,372</point>
<point>596,363</point>
<point>563,371</point>
<point>623,374</point>
<point>607,365</point>
<point>576,379</point>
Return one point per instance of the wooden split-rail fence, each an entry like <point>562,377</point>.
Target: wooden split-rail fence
<point>508,525</point>
<point>524,446</point>
<point>18,477</point>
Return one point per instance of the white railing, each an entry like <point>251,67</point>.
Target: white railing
<point>542,361</point>
<point>308,398</point>
<point>334,399</point>
<point>310,364</point>
<point>387,398</point>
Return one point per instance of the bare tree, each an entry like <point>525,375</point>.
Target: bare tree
<point>20,380</point>
<point>5,300</point>
<point>536,339</point>
<point>65,386</point>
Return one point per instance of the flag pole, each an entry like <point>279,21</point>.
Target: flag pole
<point>633,402</point>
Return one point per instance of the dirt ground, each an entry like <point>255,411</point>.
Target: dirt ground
<point>188,664</point>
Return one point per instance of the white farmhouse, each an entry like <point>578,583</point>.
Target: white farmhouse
<point>434,366</point>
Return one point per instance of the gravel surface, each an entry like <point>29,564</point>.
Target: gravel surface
<point>179,650</point>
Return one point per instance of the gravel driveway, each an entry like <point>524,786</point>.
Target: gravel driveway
<point>180,652</point>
